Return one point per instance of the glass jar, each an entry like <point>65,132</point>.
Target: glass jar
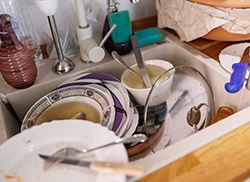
<point>22,26</point>
<point>222,113</point>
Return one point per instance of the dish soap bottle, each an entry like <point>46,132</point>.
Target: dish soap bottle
<point>17,63</point>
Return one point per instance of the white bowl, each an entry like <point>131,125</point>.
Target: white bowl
<point>155,69</point>
<point>67,101</point>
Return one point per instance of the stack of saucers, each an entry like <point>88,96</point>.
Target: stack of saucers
<point>125,116</point>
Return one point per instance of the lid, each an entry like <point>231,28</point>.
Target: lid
<point>189,100</point>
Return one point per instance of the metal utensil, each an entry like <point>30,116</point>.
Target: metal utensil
<point>67,152</point>
<point>118,58</point>
<point>239,73</point>
<point>177,104</point>
<point>79,115</point>
<point>130,169</point>
<point>138,56</point>
<point>248,79</point>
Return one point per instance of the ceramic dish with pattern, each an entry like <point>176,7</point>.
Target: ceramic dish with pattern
<point>120,113</point>
<point>65,102</point>
<point>104,78</point>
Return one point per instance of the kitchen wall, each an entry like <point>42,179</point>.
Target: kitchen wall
<point>66,14</point>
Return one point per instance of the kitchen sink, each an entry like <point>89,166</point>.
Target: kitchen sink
<point>171,49</point>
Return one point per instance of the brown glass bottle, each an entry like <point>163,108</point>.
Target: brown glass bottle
<point>17,64</point>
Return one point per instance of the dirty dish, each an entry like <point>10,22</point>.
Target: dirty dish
<point>20,161</point>
<point>65,102</point>
<point>136,87</point>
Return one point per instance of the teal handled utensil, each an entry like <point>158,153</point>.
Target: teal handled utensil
<point>239,73</point>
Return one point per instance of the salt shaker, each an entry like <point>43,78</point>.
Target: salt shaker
<point>17,63</point>
<point>22,26</point>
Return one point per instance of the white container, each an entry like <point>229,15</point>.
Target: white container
<point>135,85</point>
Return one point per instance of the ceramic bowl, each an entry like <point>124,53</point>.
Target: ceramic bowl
<point>155,69</point>
<point>65,102</point>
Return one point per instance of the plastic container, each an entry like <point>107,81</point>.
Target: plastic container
<point>17,63</point>
<point>22,26</point>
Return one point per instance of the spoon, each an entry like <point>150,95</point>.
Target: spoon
<point>67,152</point>
<point>79,115</point>
<point>118,58</point>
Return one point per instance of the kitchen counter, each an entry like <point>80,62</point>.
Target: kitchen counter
<point>224,159</point>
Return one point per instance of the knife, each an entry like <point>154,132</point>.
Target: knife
<point>138,56</point>
<point>239,73</point>
<point>130,169</point>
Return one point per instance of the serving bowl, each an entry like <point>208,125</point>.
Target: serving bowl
<point>155,68</point>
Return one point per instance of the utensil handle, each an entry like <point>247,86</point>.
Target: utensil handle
<point>237,77</point>
<point>129,169</point>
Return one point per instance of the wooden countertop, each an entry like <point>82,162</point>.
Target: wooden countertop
<point>225,159</point>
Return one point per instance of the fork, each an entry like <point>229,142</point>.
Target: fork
<point>68,152</point>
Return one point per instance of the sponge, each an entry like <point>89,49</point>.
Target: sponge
<point>122,32</point>
<point>148,36</point>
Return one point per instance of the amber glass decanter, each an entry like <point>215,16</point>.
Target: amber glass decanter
<point>17,64</point>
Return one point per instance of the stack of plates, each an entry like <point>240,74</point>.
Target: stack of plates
<point>103,92</point>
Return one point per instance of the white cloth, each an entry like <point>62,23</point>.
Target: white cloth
<point>193,20</point>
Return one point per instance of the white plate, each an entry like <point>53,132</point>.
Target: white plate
<point>109,89</point>
<point>116,119</point>
<point>69,93</point>
<point>133,121</point>
<point>19,155</point>
<point>232,54</point>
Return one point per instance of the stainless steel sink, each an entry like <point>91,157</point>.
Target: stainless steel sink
<point>173,50</point>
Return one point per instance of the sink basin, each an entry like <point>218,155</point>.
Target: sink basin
<point>173,50</point>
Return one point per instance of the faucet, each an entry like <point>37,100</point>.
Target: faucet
<point>112,5</point>
<point>89,49</point>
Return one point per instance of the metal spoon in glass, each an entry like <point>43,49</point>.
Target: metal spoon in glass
<point>118,58</point>
<point>68,152</point>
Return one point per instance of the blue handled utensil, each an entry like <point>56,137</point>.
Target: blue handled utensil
<point>239,73</point>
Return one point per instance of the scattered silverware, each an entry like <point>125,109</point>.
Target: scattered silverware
<point>177,104</point>
<point>118,58</point>
<point>79,115</point>
<point>138,56</point>
<point>130,169</point>
<point>67,152</point>
<point>239,73</point>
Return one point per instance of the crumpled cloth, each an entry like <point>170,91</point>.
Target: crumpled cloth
<point>193,20</point>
